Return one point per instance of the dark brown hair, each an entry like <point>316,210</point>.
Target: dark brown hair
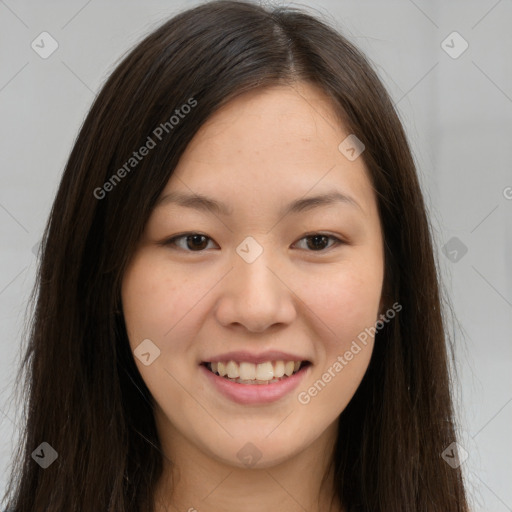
<point>85,396</point>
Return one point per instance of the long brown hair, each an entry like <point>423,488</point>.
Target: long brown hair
<point>85,397</point>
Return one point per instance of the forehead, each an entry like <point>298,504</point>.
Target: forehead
<point>270,143</point>
<point>278,116</point>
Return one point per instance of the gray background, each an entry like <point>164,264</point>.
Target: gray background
<point>458,116</point>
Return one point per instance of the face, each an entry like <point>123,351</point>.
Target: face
<point>261,280</point>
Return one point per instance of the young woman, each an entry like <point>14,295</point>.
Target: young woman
<point>237,303</point>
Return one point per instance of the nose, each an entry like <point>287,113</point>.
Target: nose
<point>256,296</point>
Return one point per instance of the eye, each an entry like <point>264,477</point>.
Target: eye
<point>197,242</point>
<point>319,241</point>
<point>194,242</point>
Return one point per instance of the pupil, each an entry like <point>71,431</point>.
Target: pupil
<point>197,240</point>
<point>316,244</point>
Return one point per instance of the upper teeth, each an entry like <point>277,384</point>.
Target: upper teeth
<point>250,371</point>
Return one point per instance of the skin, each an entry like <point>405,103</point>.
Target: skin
<point>259,152</point>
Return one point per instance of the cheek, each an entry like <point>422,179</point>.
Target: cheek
<point>157,305</point>
<point>153,299</point>
<point>346,309</point>
<point>348,304</point>
<point>163,303</point>
<point>346,300</point>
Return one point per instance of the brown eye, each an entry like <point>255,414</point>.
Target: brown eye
<point>318,242</point>
<point>194,242</point>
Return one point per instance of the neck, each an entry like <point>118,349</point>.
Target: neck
<point>196,481</point>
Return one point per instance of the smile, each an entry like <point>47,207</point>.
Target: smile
<point>248,373</point>
<point>255,383</point>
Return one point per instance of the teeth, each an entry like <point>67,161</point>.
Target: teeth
<point>250,373</point>
<point>233,370</point>
<point>278,369</point>
<point>221,369</point>
<point>264,371</point>
<point>288,367</point>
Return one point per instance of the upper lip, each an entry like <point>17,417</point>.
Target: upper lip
<point>262,357</point>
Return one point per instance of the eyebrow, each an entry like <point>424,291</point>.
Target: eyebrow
<point>207,204</point>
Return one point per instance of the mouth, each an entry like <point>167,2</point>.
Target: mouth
<point>257,382</point>
<point>248,373</point>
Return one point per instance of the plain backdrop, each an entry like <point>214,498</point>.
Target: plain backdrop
<point>456,106</point>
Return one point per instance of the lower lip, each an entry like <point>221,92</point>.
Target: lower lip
<point>255,393</point>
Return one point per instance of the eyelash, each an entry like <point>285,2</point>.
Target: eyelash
<point>171,241</point>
